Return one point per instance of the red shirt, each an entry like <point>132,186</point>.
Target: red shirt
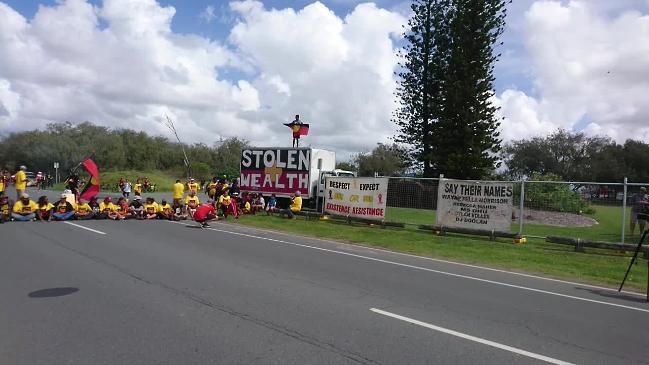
<point>203,210</point>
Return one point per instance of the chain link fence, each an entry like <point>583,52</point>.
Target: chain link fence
<point>578,210</point>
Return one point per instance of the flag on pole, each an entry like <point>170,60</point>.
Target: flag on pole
<point>92,187</point>
<point>299,129</point>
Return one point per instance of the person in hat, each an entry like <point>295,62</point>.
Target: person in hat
<point>192,185</point>
<point>45,208</point>
<point>21,181</point>
<point>137,208</point>
<point>63,210</point>
<point>24,209</point>
<point>639,204</point>
<point>83,211</point>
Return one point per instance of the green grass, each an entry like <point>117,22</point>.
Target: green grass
<point>537,256</point>
<point>162,180</point>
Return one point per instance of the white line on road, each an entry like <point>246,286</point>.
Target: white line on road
<point>613,290</point>
<point>429,270</point>
<point>82,227</point>
<point>473,338</point>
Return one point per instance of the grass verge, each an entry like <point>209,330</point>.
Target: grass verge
<point>537,256</point>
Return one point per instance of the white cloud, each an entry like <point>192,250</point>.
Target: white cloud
<point>589,63</point>
<point>120,64</point>
<point>208,14</point>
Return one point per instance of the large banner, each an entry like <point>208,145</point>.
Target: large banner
<point>475,205</point>
<point>356,197</point>
<point>281,171</point>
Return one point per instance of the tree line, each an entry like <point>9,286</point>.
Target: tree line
<point>116,149</point>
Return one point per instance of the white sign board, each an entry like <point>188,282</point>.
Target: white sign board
<point>356,197</point>
<point>475,204</point>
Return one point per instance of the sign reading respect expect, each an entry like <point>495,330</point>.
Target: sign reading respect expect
<point>356,197</point>
<point>475,205</point>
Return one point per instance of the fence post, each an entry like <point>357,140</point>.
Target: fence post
<point>521,208</point>
<point>624,209</point>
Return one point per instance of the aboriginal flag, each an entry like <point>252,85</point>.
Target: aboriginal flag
<point>299,129</point>
<point>92,187</point>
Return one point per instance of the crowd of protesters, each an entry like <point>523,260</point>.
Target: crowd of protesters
<point>224,199</point>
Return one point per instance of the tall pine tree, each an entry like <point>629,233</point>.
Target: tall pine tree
<point>456,134</point>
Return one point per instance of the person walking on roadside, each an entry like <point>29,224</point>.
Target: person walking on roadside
<point>126,189</point>
<point>21,181</point>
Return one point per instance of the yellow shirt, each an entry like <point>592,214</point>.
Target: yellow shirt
<point>21,180</point>
<point>166,208</point>
<point>107,208</point>
<point>192,186</point>
<point>46,208</point>
<point>192,202</point>
<point>211,188</point>
<point>28,208</point>
<point>247,207</point>
<point>179,190</point>
<point>137,188</point>
<point>151,208</point>
<point>4,208</point>
<point>83,208</point>
<point>296,205</point>
<point>2,184</point>
<point>224,200</point>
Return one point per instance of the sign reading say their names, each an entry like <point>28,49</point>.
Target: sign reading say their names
<point>475,204</point>
<point>356,197</point>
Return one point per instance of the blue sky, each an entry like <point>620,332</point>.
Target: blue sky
<point>573,64</point>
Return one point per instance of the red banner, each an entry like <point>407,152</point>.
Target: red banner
<point>92,187</point>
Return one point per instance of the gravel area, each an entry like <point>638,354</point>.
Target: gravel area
<point>557,219</point>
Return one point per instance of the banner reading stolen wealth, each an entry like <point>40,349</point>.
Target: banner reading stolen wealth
<point>475,205</point>
<point>356,197</point>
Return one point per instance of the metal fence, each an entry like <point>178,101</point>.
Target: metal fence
<point>584,210</point>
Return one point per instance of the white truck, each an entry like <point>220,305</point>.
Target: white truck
<point>283,171</point>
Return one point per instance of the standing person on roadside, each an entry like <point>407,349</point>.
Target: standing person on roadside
<point>73,185</point>
<point>137,187</point>
<point>126,189</point>
<point>639,202</point>
<point>179,192</point>
<point>63,210</point>
<point>192,185</point>
<point>24,209</point>
<point>5,207</point>
<point>21,181</point>
<point>45,208</point>
<point>211,188</point>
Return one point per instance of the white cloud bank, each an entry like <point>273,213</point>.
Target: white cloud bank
<point>590,65</point>
<point>120,64</point>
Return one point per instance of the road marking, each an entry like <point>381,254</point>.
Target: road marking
<point>473,338</point>
<point>82,227</point>
<point>641,295</point>
<point>427,269</point>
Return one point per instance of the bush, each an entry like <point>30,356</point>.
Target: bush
<point>554,197</point>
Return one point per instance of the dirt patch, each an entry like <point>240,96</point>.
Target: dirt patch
<point>557,219</point>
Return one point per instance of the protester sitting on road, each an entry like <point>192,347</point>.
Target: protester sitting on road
<point>44,212</point>
<point>106,208</point>
<point>272,204</point>
<point>123,211</point>
<point>21,181</point>
<point>179,192</point>
<point>94,205</point>
<point>191,203</point>
<point>205,213</point>
<point>83,211</point>
<point>63,210</point>
<point>24,209</point>
<point>179,212</point>
<point>137,208</point>
<point>5,207</point>
<point>164,210</point>
<point>150,209</point>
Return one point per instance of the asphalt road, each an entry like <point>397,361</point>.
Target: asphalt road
<point>103,292</point>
